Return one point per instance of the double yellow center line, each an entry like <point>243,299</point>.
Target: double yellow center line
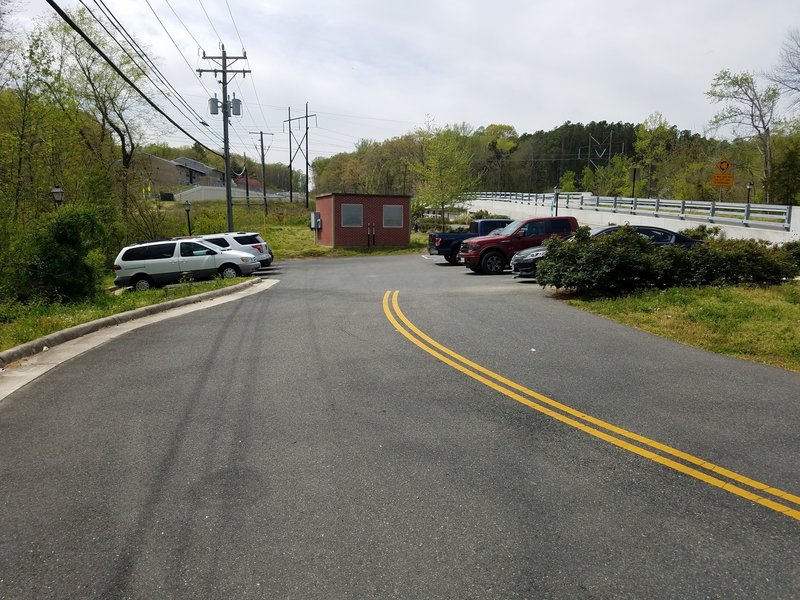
<point>712,474</point>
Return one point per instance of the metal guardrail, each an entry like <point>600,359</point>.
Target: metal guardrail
<point>767,216</point>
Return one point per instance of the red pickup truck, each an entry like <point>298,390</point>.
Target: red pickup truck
<point>492,254</point>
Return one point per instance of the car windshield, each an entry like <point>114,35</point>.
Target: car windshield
<point>508,229</point>
<point>598,230</point>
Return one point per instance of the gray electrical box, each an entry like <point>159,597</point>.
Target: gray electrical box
<point>315,221</point>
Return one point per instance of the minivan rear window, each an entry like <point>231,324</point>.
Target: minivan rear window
<point>137,253</point>
<point>220,241</point>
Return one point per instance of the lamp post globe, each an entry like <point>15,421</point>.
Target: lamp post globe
<point>187,206</point>
<point>58,196</point>
<point>556,192</point>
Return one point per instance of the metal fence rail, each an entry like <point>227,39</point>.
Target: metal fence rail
<point>767,216</point>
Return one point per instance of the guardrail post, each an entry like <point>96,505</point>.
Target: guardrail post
<point>746,214</point>
<point>713,209</point>
<point>658,204</point>
<point>614,205</point>
<point>683,209</point>
<point>633,206</point>
<point>788,224</point>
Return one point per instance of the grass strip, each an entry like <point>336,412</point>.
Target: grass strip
<point>761,324</point>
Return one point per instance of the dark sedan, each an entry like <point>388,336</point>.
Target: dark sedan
<point>523,263</point>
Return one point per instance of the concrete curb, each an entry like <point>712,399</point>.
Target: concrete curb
<point>59,337</point>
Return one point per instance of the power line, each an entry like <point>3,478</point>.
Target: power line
<point>177,16</point>
<point>174,43</point>
<point>140,52</point>
<point>219,37</point>
<point>66,18</point>
<point>230,12</point>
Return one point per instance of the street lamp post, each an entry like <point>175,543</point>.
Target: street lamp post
<point>58,196</point>
<point>187,207</point>
<point>556,192</point>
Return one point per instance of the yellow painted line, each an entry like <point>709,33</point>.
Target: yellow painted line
<point>600,423</point>
<point>486,377</point>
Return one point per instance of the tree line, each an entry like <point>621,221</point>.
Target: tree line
<point>649,159</point>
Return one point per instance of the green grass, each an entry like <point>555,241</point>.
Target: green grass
<point>755,323</point>
<point>20,323</point>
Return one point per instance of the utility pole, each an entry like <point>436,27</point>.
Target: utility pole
<point>299,149</point>
<point>291,182</point>
<point>246,181</point>
<point>224,61</point>
<point>263,167</point>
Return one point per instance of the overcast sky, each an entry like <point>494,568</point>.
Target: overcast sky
<point>377,69</point>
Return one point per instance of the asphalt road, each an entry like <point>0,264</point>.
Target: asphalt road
<point>306,442</point>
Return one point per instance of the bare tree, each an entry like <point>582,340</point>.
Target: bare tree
<point>7,41</point>
<point>787,74</point>
<point>749,110</point>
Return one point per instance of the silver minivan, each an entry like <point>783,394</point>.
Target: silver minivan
<point>143,266</point>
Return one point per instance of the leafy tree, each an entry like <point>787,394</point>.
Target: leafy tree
<point>497,144</point>
<point>611,180</point>
<point>655,138</point>
<point>784,184</point>
<point>749,109</point>
<point>445,172</point>
<point>567,182</point>
<point>198,152</point>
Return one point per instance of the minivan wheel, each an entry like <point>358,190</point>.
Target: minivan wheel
<point>141,283</point>
<point>228,271</point>
<point>493,263</point>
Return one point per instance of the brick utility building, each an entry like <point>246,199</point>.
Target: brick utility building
<point>362,220</point>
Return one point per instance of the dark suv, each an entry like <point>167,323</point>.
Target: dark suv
<point>492,253</point>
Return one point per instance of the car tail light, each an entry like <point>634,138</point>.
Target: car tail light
<point>437,241</point>
<point>259,248</point>
<point>117,268</point>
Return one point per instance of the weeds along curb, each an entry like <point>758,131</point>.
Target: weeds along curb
<point>59,337</point>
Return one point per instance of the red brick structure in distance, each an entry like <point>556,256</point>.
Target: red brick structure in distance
<point>363,220</point>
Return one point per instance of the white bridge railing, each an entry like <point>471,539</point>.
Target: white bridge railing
<point>766,216</point>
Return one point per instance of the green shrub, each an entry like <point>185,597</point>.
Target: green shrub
<point>704,232</point>
<point>60,259</point>
<point>729,262</point>
<point>623,262</point>
<point>485,214</point>
<point>613,264</point>
<point>793,250</point>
